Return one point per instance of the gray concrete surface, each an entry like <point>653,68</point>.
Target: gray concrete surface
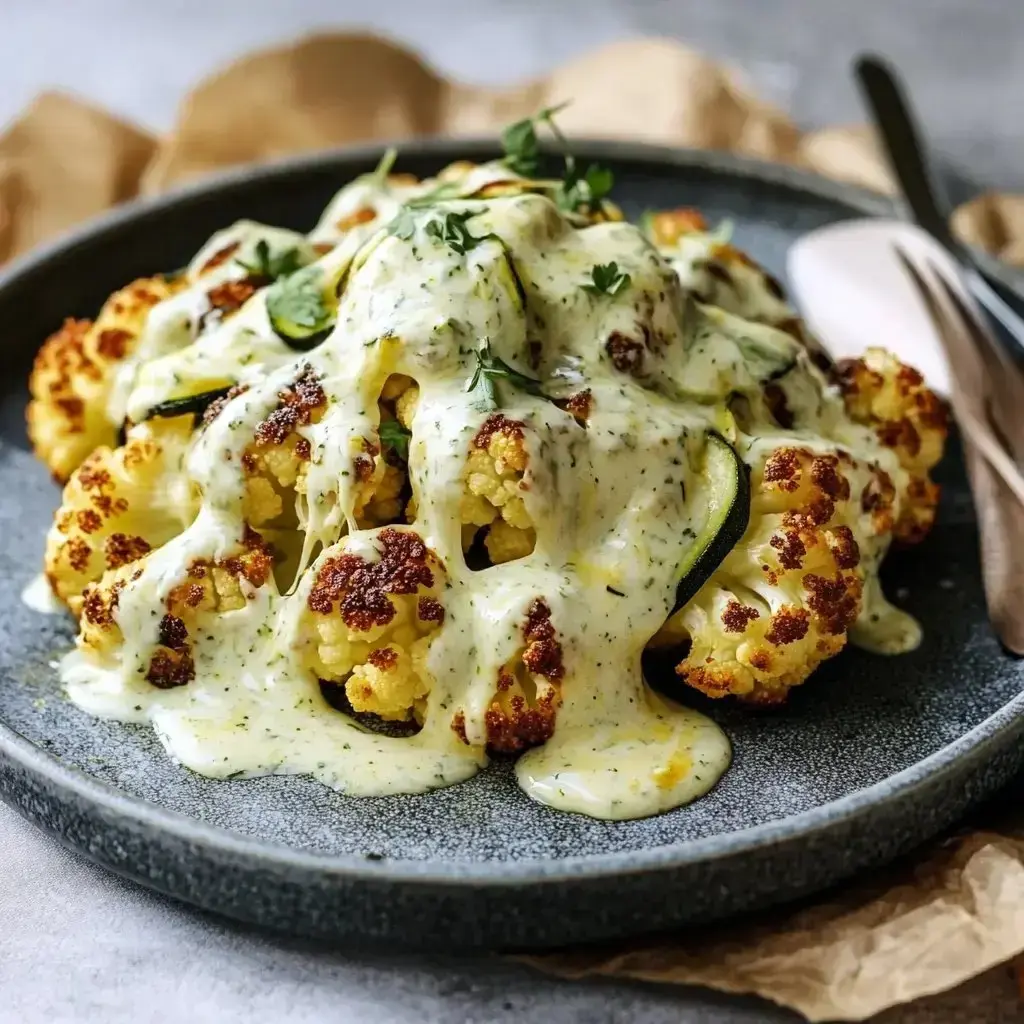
<point>79,945</point>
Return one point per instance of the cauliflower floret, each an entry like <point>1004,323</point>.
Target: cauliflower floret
<point>118,505</point>
<point>209,588</point>
<point>505,542</point>
<point>881,393</point>
<point>782,600</point>
<point>529,691</point>
<point>405,405</point>
<point>494,483</point>
<point>385,501</point>
<point>373,621</point>
<point>666,227</point>
<point>74,370</point>
<point>275,463</point>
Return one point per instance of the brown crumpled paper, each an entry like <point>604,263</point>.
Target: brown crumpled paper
<point>911,932</point>
<point>953,915</point>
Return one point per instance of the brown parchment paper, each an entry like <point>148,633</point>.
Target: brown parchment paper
<point>917,929</point>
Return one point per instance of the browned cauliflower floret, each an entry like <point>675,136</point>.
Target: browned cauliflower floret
<point>782,601</point>
<point>721,275</point>
<point>275,462</point>
<point>209,588</point>
<point>666,227</point>
<point>374,620</point>
<point>73,373</point>
<point>529,690</point>
<point>881,393</point>
<point>118,505</point>
<point>494,483</point>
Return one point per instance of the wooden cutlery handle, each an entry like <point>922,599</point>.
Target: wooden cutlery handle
<point>1001,536</point>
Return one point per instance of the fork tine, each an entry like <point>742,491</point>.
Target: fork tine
<point>968,401</point>
<point>964,362</point>
<point>1004,405</point>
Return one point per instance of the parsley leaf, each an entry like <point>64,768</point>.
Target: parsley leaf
<point>588,189</point>
<point>272,265</point>
<point>395,437</point>
<point>451,229</point>
<point>519,140</point>
<point>298,309</point>
<point>404,224</point>
<point>489,370</point>
<point>522,155</point>
<point>607,279</point>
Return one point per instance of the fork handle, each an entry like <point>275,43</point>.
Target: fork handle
<point>1001,538</point>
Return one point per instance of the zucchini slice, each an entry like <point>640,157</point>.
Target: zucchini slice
<point>728,514</point>
<point>195,405</point>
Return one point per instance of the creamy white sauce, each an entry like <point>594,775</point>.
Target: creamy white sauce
<point>615,505</point>
<point>38,595</point>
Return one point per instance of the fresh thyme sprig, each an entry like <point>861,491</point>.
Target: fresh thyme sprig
<point>607,279</point>
<point>489,370</point>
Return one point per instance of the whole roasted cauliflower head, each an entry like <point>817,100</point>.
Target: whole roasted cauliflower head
<point>422,486</point>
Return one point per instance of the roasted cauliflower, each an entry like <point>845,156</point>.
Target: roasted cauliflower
<point>423,486</point>
<point>72,375</point>
<point>911,420</point>
<point>783,599</point>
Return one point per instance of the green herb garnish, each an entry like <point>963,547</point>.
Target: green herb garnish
<point>395,437</point>
<point>379,175</point>
<point>607,279</point>
<point>519,140</point>
<point>403,225</point>
<point>272,266</point>
<point>522,155</point>
<point>298,308</point>
<point>588,189</point>
<point>489,370</point>
<point>446,190</point>
<point>451,229</point>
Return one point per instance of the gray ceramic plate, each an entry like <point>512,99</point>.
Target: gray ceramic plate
<point>870,758</point>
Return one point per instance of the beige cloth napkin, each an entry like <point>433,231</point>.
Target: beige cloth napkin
<point>920,928</point>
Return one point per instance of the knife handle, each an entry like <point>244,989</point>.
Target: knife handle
<point>904,146</point>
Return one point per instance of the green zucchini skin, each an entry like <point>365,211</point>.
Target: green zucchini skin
<point>726,524</point>
<point>194,404</point>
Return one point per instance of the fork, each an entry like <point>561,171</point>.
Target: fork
<point>987,395</point>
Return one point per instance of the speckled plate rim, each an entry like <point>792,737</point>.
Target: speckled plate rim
<point>980,744</point>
